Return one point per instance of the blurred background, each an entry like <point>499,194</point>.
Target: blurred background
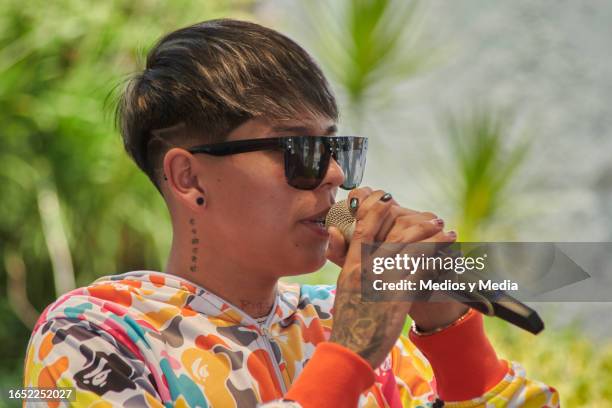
<point>494,115</point>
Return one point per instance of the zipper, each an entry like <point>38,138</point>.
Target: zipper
<point>265,334</point>
<point>267,342</point>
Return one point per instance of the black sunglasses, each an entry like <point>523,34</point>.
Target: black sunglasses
<point>306,157</point>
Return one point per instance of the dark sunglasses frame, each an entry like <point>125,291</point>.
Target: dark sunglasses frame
<point>304,173</point>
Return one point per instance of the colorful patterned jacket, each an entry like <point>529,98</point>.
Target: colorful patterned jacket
<point>152,339</point>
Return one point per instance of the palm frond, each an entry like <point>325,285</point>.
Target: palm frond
<point>484,165</point>
<point>367,47</point>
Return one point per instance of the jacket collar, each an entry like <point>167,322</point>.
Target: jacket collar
<point>164,287</point>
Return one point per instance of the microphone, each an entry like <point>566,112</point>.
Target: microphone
<point>489,302</point>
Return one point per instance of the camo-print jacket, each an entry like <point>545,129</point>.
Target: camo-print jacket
<point>152,339</point>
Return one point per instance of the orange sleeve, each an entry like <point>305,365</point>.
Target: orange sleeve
<point>464,363</point>
<point>334,377</point>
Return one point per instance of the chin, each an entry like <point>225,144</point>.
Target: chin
<point>307,263</point>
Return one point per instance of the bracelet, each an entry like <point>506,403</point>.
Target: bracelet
<point>461,318</point>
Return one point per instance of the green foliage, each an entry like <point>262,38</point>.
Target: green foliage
<point>485,160</point>
<point>562,357</point>
<point>367,47</point>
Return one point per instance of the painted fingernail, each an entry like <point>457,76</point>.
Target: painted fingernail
<point>386,197</point>
<point>437,221</point>
<point>354,203</point>
<point>452,234</point>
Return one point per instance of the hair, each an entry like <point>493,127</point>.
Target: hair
<point>203,81</point>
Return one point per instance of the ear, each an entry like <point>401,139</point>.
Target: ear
<point>184,176</point>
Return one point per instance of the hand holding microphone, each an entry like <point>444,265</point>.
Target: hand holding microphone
<point>371,329</point>
<point>491,302</point>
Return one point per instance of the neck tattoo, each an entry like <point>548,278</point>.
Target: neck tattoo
<point>194,246</point>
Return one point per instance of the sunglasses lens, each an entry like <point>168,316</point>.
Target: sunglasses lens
<point>306,163</point>
<point>351,156</point>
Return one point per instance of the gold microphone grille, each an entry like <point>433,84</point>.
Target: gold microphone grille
<point>340,216</point>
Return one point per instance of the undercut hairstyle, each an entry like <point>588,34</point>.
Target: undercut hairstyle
<point>203,81</point>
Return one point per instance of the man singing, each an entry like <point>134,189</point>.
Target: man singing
<point>235,125</point>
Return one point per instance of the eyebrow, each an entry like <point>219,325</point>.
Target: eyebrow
<point>303,129</point>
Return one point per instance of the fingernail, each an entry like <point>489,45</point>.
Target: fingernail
<point>386,197</point>
<point>452,234</point>
<point>437,221</point>
<point>354,203</point>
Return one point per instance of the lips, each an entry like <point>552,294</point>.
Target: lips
<point>316,223</point>
<point>318,218</point>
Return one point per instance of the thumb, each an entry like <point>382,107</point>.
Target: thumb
<point>337,248</point>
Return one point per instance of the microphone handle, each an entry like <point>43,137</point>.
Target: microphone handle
<point>498,303</point>
<point>495,302</point>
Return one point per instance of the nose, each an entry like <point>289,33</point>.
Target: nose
<point>334,176</point>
